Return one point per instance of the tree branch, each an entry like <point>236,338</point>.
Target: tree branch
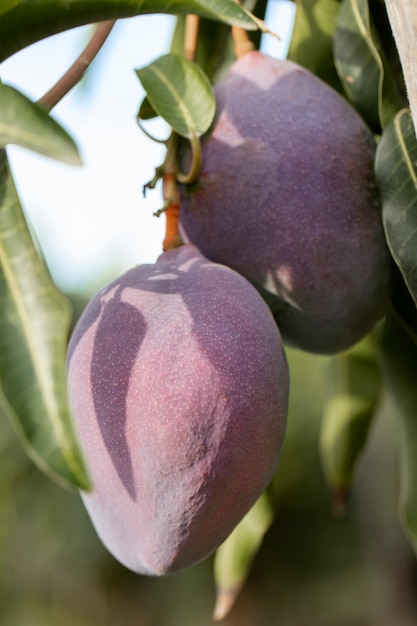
<point>79,67</point>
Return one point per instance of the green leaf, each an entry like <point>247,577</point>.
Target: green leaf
<point>399,358</point>
<point>396,173</point>
<point>404,307</point>
<point>180,92</point>
<point>34,328</point>
<point>23,22</point>
<point>234,557</point>
<point>362,65</point>
<point>214,53</point>
<point>312,38</point>
<point>27,124</point>
<point>355,390</point>
<point>215,48</point>
<point>146,110</point>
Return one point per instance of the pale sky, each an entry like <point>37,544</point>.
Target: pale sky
<point>93,222</point>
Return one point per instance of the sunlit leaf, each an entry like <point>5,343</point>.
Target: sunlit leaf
<point>27,124</point>
<point>399,357</point>
<point>312,38</point>
<point>348,412</point>
<point>362,65</point>
<point>396,172</point>
<point>34,327</point>
<point>234,557</point>
<point>23,22</point>
<point>180,92</point>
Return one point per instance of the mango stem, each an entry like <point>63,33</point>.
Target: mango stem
<point>172,233</point>
<point>241,41</point>
<point>192,23</point>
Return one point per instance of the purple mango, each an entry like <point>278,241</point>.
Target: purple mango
<point>287,197</point>
<point>178,386</point>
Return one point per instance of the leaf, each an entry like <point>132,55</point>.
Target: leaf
<point>404,307</point>
<point>214,53</point>
<point>312,38</point>
<point>27,124</point>
<point>146,110</point>
<point>362,65</point>
<point>215,49</point>
<point>34,327</point>
<point>396,174</point>
<point>234,557</point>
<point>180,93</point>
<point>347,415</point>
<point>23,22</point>
<point>399,358</point>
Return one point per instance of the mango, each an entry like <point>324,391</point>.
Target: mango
<point>287,197</point>
<point>178,388</point>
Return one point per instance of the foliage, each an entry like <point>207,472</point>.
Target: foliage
<point>349,45</point>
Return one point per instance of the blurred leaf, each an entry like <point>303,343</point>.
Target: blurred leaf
<point>399,358</point>
<point>312,38</point>
<point>27,124</point>
<point>348,412</point>
<point>180,92</point>
<point>362,66</point>
<point>34,326</point>
<point>396,173</point>
<point>234,557</point>
<point>23,22</point>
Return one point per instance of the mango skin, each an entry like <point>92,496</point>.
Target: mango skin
<point>287,197</point>
<point>178,387</point>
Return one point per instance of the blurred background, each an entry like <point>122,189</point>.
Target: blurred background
<point>93,223</point>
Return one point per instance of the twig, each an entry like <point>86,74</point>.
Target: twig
<point>241,41</point>
<point>192,23</point>
<point>172,233</point>
<point>77,70</point>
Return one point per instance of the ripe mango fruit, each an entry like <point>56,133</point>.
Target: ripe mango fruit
<point>178,387</point>
<point>287,197</point>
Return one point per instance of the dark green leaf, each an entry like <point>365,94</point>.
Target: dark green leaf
<point>34,327</point>
<point>404,307</point>
<point>26,124</point>
<point>362,66</point>
<point>146,110</point>
<point>23,22</point>
<point>396,172</point>
<point>312,38</point>
<point>355,390</point>
<point>180,93</point>
<point>399,357</point>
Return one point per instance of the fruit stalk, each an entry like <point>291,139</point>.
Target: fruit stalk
<point>172,234</point>
<point>191,36</point>
<point>242,43</point>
